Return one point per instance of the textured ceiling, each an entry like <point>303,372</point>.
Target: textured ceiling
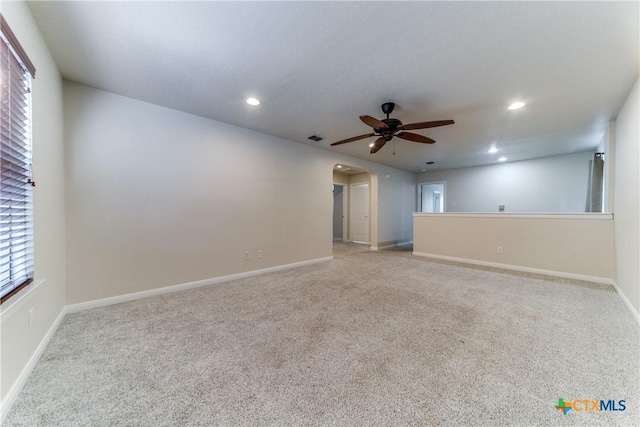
<point>317,66</point>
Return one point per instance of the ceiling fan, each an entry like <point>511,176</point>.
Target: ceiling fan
<point>387,128</point>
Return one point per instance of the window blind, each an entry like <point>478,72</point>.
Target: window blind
<point>16,230</point>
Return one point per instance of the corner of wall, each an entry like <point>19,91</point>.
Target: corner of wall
<point>28,324</point>
<point>627,199</point>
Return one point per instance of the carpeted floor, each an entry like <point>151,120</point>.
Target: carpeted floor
<point>369,339</point>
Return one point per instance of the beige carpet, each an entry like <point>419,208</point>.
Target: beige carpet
<point>369,339</point>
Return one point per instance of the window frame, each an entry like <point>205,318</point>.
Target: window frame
<point>16,54</point>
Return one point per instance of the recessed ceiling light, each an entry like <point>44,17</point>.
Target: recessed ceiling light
<point>372,144</point>
<point>339,166</point>
<point>253,101</point>
<point>516,105</point>
<point>493,150</point>
<point>502,159</point>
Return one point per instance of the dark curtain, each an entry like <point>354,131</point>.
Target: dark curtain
<point>595,184</point>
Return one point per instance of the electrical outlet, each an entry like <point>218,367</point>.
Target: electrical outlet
<point>499,249</point>
<point>259,254</point>
<point>247,256</point>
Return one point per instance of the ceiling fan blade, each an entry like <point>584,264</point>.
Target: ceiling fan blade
<point>425,125</point>
<point>415,137</point>
<point>373,122</point>
<point>378,145</point>
<point>355,138</point>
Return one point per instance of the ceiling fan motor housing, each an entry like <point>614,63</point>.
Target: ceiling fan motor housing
<point>388,133</point>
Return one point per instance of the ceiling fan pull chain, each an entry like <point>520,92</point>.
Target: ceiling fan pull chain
<point>394,147</point>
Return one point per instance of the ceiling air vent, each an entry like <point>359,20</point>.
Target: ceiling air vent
<point>315,138</point>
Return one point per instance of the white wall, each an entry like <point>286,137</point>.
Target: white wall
<point>627,197</point>
<point>157,197</point>
<point>578,246</point>
<point>19,342</point>
<point>340,178</point>
<point>550,184</point>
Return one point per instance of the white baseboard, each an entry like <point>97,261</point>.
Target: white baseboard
<point>626,302</point>
<point>73,308</point>
<point>603,280</point>
<point>12,395</point>
<point>595,279</point>
<point>395,245</point>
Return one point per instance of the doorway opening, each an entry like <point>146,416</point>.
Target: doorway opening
<point>432,197</point>
<point>353,206</point>
<point>340,204</point>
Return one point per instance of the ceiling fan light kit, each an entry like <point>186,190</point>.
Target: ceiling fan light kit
<point>390,127</point>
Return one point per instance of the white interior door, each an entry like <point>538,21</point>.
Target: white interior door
<point>360,213</point>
